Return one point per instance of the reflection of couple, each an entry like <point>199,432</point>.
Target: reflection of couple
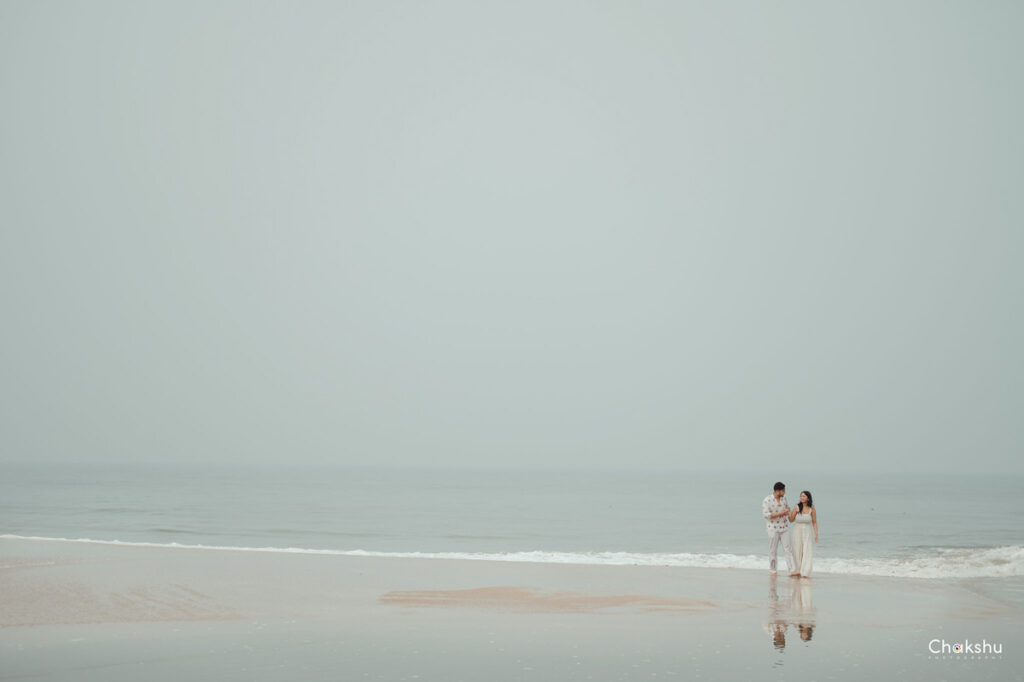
<point>800,553</point>
<point>796,609</point>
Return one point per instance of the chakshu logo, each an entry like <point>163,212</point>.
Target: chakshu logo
<point>966,649</point>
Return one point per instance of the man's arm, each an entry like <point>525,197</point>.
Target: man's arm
<point>766,511</point>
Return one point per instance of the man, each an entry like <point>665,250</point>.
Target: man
<point>775,510</point>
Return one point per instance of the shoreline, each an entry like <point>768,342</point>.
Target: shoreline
<point>982,562</point>
<point>65,606</point>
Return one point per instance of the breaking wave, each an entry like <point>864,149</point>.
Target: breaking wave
<point>994,562</point>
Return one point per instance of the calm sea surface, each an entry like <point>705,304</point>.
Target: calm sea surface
<point>931,526</point>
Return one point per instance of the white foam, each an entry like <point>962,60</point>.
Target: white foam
<point>940,563</point>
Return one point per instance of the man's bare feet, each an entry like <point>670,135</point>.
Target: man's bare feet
<point>794,575</point>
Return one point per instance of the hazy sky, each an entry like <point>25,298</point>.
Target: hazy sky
<point>654,234</point>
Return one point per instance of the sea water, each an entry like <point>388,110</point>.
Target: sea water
<point>929,526</point>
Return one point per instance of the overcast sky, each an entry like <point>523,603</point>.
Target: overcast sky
<point>615,234</point>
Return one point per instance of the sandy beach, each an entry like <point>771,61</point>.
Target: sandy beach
<point>85,611</point>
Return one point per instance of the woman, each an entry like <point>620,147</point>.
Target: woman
<point>803,548</point>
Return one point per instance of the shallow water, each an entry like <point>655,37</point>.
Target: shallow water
<point>933,526</point>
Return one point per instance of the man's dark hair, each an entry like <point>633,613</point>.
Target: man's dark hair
<point>780,486</point>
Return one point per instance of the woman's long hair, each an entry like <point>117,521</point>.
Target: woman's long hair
<point>810,501</point>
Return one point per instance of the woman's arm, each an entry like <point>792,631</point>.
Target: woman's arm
<point>792,514</point>
<point>814,520</point>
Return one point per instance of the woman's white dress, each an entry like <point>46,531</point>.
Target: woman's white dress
<point>803,543</point>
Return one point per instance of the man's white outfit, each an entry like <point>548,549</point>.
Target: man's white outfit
<point>778,531</point>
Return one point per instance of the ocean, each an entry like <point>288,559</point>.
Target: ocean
<point>920,526</point>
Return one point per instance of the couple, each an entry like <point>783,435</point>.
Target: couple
<point>776,511</point>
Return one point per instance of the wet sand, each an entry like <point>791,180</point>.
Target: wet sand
<point>79,611</point>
